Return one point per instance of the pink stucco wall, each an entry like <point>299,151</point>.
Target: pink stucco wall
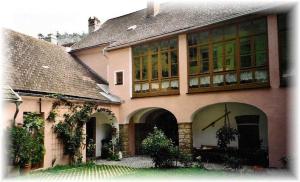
<point>94,59</point>
<point>272,101</point>
<point>53,147</point>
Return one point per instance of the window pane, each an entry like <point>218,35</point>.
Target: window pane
<point>217,34</point>
<point>174,84</point>
<point>193,67</point>
<point>193,82</point>
<point>205,81</point>
<point>260,25</point>
<point>174,59</point>
<point>165,84</point>
<point>164,65</point>
<point>173,43</point>
<point>245,46</point>
<point>145,68</point>
<point>261,76</point>
<point>260,42</point>
<point>245,29</point>
<point>137,68</point>
<point>218,57</point>
<point>246,77</point>
<point>230,32</point>
<point>230,78</point>
<point>229,48</point>
<point>245,61</point>
<point>192,39</point>
<point>174,70</point>
<point>261,58</point>
<point>204,53</point>
<point>145,87</point>
<point>218,80</point>
<point>137,87</point>
<point>154,67</point>
<point>205,66</point>
<point>154,86</point>
<point>203,38</point>
<point>193,54</point>
<point>229,63</point>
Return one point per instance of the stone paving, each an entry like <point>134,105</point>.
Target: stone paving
<point>134,162</point>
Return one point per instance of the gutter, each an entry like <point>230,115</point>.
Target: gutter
<point>42,94</point>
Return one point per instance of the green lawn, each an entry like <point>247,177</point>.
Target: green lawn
<point>93,172</point>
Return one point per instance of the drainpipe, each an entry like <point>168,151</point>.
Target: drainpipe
<point>40,105</point>
<point>104,51</point>
<point>16,113</point>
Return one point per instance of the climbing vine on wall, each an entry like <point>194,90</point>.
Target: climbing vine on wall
<point>70,130</point>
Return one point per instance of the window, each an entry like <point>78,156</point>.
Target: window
<point>119,78</point>
<point>231,56</point>
<point>155,66</point>
<point>284,58</point>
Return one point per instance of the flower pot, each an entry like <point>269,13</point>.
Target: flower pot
<point>26,169</point>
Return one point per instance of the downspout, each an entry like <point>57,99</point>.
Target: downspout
<point>40,105</point>
<point>17,111</point>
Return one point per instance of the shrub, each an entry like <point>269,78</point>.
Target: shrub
<point>90,149</point>
<point>20,146</point>
<point>232,162</point>
<point>160,148</point>
<point>185,159</point>
<point>225,135</point>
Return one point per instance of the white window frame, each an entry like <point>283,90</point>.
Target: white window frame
<point>115,77</point>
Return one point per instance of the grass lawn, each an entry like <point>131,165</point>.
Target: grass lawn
<point>93,172</point>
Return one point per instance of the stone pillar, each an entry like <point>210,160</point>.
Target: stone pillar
<point>124,139</point>
<point>185,137</point>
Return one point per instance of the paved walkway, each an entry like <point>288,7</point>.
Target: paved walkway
<point>134,162</point>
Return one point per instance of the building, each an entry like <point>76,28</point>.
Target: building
<point>180,67</point>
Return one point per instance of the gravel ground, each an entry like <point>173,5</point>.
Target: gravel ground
<point>135,162</point>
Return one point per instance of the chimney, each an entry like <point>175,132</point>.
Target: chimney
<point>94,24</point>
<point>49,38</point>
<point>152,8</point>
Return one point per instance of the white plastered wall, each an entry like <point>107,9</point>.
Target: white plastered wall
<point>208,114</point>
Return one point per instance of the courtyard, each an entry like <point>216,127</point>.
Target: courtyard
<point>107,170</point>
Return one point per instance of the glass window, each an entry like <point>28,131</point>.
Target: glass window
<point>238,57</point>
<point>218,57</point>
<point>156,67</point>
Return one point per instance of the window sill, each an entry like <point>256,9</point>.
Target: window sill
<point>155,94</point>
<point>228,88</point>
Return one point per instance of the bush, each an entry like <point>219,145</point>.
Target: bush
<point>90,149</point>
<point>232,162</point>
<point>160,148</point>
<point>185,159</point>
<point>20,146</point>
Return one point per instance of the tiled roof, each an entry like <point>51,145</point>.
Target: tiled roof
<point>38,66</point>
<point>10,95</point>
<point>172,17</point>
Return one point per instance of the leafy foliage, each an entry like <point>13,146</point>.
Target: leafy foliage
<point>225,135</point>
<point>91,147</point>
<point>27,142</point>
<point>70,131</point>
<point>20,146</point>
<point>160,148</point>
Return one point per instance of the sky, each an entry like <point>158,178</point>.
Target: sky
<point>32,17</point>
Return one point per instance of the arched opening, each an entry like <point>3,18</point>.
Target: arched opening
<point>251,143</point>
<point>100,129</point>
<point>142,123</point>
